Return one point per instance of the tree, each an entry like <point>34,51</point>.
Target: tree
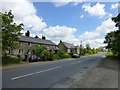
<point>113,38</point>
<point>39,49</point>
<point>10,32</point>
<point>45,53</point>
<point>88,48</point>
<point>113,41</point>
<point>117,20</point>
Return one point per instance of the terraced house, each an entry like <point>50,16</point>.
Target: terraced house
<point>27,45</point>
<point>68,47</point>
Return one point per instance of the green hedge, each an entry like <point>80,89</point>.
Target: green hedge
<point>10,60</point>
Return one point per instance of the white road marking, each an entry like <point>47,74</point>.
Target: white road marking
<point>35,73</point>
<point>76,62</point>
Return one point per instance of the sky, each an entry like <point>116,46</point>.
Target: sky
<point>67,21</point>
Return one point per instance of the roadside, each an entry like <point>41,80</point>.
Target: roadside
<point>105,75</point>
<point>16,66</point>
<point>25,64</point>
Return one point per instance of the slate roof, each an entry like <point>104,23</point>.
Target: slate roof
<point>68,45</point>
<point>36,40</point>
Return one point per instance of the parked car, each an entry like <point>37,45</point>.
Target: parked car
<point>75,56</point>
<point>34,58</point>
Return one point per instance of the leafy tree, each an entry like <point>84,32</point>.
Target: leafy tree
<point>45,53</point>
<point>10,32</point>
<point>113,41</point>
<point>88,48</point>
<point>113,38</point>
<point>117,21</point>
<point>39,49</point>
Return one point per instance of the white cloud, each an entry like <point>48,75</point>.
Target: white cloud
<point>113,6</point>
<point>60,3</point>
<point>58,33</point>
<point>25,13</point>
<point>82,16</point>
<point>96,10</point>
<point>89,35</point>
<point>94,43</point>
<point>106,27</point>
<point>65,2</point>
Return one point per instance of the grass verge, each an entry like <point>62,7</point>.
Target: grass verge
<point>111,56</point>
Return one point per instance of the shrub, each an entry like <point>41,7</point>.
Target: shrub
<point>53,57</point>
<point>62,54</point>
<point>71,53</point>
<point>45,54</point>
<point>10,60</point>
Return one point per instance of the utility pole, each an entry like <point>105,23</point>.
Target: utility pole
<point>80,47</point>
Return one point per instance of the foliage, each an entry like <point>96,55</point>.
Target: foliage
<point>10,31</point>
<point>88,50</point>
<point>53,57</point>
<point>39,49</point>
<point>71,53</point>
<point>45,53</point>
<point>112,39</point>
<point>111,56</point>
<point>62,54</point>
<point>10,60</point>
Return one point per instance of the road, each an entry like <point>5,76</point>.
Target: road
<point>47,75</point>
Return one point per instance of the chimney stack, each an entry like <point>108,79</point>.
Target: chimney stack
<point>36,36</point>
<point>27,34</point>
<point>43,37</point>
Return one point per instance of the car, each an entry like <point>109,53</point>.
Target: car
<point>34,58</point>
<point>75,56</point>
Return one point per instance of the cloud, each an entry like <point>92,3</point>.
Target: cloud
<point>89,35</point>
<point>64,33</point>
<point>25,13</point>
<point>65,2</point>
<point>106,27</point>
<point>60,3</point>
<point>96,10</point>
<point>113,6</point>
<point>82,16</point>
<point>94,43</point>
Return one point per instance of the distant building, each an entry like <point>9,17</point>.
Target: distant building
<point>68,47</point>
<point>27,45</point>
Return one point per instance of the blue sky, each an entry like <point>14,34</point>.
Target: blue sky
<point>70,22</point>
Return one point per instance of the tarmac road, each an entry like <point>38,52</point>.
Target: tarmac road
<point>48,74</point>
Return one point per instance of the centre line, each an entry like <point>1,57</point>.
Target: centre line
<point>34,73</point>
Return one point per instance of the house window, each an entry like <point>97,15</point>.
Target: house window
<point>29,44</point>
<point>20,43</point>
<point>30,51</point>
<point>20,51</point>
<point>11,51</point>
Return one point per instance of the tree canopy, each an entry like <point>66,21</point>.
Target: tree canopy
<point>113,38</point>
<point>10,31</point>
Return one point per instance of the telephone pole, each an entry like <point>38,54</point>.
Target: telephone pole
<point>80,47</point>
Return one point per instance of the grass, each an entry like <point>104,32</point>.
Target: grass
<point>88,54</point>
<point>111,56</point>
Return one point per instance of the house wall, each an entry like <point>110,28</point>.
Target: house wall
<point>26,48</point>
<point>62,47</point>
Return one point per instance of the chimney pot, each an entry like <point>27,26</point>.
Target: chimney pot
<point>27,34</point>
<point>43,37</point>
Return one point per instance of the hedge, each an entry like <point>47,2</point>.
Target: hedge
<point>10,60</point>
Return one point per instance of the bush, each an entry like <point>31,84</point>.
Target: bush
<point>10,60</point>
<point>62,54</point>
<point>71,53</point>
<point>45,54</point>
<point>53,57</point>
